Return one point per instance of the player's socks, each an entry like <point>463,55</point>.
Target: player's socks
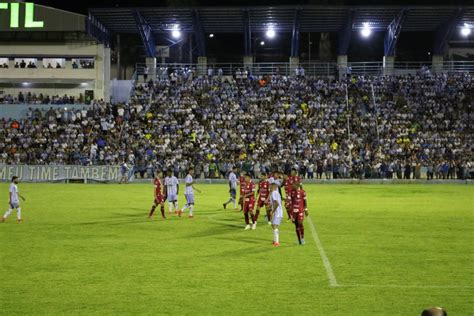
<point>224,205</point>
<point>7,213</point>
<point>170,207</point>
<point>301,231</point>
<point>247,221</point>
<point>257,213</point>
<point>235,204</point>
<point>191,208</point>
<point>18,214</point>
<point>254,226</point>
<point>162,209</point>
<point>276,236</point>
<point>152,211</point>
<point>298,232</point>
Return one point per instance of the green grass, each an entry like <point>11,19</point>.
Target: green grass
<point>89,249</point>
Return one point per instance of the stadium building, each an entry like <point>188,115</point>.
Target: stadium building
<point>52,52</point>
<point>59,52</point>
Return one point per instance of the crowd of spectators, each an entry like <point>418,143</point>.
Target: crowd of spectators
<point>33,98</point>
<point>383,127</point>
<point>23,64</point>
<point>83,64</point>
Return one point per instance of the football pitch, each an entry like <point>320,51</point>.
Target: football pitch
<point>370,250</point>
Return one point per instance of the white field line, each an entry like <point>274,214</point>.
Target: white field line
<point>396,286</point>
<point>324,257</point>
<point>332,276</point>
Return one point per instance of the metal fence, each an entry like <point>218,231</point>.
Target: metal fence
<point>310,69</point>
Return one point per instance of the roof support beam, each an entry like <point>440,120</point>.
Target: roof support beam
<point>199,34</point>
<point>445,31</point>
<point>247,33</point>
<point>295,35</point>
<point>393,32</point>
<point>98,31</point>
<point>344,35</point>
<point>146,34</point>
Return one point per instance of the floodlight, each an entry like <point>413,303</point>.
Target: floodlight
<point>176,34</point>
<point>466,30</point>
<point>366,30</point>
<point>271,33</point>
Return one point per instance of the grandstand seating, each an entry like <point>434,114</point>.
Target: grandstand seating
<point>383,127</point>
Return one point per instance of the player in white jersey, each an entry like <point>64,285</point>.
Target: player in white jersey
<point>172,191</point>
<point>232,189</point>
<point>189,193</point>
<point>277,213</point>
<point>14,202</point>
<point>275,178</point>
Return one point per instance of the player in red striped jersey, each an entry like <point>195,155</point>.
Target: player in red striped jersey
<point>159,195</point>
<point>242,185</point>
<point>263,198</point>
<point>249,201</point>
<point>300,209</point>
<point>288,183</point>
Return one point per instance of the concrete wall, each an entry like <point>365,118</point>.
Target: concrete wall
<point>99,76</point>
<point>70,90</point>
<point>127,71</point>
<point>84,48</point>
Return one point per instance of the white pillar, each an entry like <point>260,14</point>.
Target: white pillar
<point>342,65</point>
<point>248,62</point>
<point>294,63</point>
<point>437,64</point>
<point>388,65</point>
<point>102,73</point>
<point>151,64</point>
<point>202,66</point>
<point>107,66</point>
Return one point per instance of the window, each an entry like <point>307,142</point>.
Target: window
<point>26,63</point>
<point>83,63</point>
<point>54,63</point>
<point>4,63</point>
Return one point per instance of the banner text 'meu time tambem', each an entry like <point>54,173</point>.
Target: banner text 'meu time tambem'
<point>58,172</point>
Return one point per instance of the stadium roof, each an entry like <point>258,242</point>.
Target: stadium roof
<point>281,18</point>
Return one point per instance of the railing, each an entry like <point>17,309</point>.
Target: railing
<point>459,66</point>
<point>310,69</point>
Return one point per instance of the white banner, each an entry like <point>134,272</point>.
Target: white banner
<point>57,172</point>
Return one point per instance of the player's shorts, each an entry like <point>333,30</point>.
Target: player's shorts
<point>233,193</point>
<point>276,220</point>
<point>263,202</point>
<point>159,199</point>
<point>249,205</point>
<point>172,197</point>
<point>189,198</point>
<point>298,215</point>
<point>14,205</point>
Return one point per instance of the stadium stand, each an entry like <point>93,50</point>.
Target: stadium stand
<point>306,122</point>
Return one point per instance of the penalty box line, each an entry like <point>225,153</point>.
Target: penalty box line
<point>324,257</point>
